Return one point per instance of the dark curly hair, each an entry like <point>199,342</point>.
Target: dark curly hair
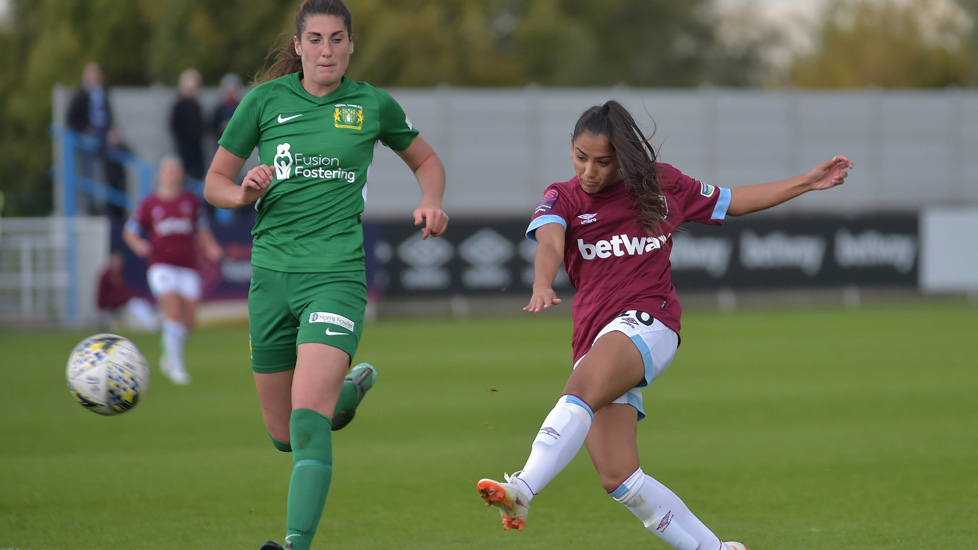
<point>636,157</point>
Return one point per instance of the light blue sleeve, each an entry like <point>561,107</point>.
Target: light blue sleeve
<point>723,203</point>
<point>540,222</point>
<point>133,227</point>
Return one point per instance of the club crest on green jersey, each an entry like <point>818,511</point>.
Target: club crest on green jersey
<point>348,116</point>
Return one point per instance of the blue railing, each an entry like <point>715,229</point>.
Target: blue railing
<point>75,144</point>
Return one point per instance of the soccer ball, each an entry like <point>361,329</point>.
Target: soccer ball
<point>107,374</point>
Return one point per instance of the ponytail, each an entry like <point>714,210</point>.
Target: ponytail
<point>287,61</point>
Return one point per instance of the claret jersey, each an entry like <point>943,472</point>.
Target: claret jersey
<point>320,149</point>
<point>171,227</point>
<point>612,262</point>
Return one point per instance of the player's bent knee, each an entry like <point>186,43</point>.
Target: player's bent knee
<point>613,480</point>
<point>279,433</point>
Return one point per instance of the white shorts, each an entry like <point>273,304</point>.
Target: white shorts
<point>656,342</point>
<point>166,279</point>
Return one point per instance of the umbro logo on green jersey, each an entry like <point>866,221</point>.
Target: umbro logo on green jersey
<point>282,119</point>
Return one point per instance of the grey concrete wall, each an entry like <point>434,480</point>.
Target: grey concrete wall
<point>502,147</point>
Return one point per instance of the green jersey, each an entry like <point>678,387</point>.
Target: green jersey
<point>320,147</point>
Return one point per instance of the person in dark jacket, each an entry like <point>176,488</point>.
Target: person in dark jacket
<point>90,113</point>
<point>187,125</point>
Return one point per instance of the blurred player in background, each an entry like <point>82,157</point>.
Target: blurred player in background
<point>611,226</point>
<point>165,229</point>
<point>315,131</point>
<point>118,304</point>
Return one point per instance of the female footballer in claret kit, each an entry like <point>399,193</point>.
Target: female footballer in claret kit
<point>315,130</point>
<point>166,228</point>
<point>611,227</point>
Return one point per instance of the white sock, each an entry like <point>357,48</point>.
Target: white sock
<point>174,335</point>
<point>663,513</point>
<point>556,444</point>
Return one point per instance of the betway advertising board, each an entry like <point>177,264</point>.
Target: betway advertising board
<point>492,256</point>
<point>798,252</point>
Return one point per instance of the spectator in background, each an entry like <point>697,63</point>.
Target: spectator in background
<point>117,153</point>
<point>90,113</point>
<point>166,228</point>
<point>187,124</point>
<point>230,97</point>
<point>117,302</point>
<point>231,91</point>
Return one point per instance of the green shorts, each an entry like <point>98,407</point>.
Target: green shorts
<point>288,309</point>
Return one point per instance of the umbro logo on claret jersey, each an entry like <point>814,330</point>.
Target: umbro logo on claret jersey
<point>282,119</point>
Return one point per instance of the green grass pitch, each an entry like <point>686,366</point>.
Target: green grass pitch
<point>786,429</point>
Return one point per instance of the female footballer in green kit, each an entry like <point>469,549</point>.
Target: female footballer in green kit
<point>315,132</point>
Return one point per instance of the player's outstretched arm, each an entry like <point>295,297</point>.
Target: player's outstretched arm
<point>141,247</point>
<point>751,198</point>
<point>220,188</point>
<point>430,173</point>
<point>549,256</point>
<point>212,249</point>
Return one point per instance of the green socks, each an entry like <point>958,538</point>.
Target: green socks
<point>284,447</point>
<point>348,396</point>
<point>347,400</point>
<point>312,469</point>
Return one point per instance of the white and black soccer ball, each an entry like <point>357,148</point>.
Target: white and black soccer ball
<point>107,374</point>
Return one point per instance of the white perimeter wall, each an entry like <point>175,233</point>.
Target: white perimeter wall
<point>949,249</point>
